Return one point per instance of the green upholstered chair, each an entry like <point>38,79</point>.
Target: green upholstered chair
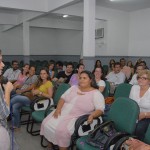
<point>124,113</point>
<point>38,116</point>
<point>105,69</point>
<point>106,90</point>
<point>122,140</point>
<point>122,90</point>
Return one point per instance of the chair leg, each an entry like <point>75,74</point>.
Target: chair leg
<point>42,139</point>
<point>34,133</point>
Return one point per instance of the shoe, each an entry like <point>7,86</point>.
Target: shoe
<point>14,129</point>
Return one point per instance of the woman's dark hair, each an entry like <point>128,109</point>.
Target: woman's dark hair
<point>110,63</point>
<point>40,81</point>
<point>78,66</point>
<point>92,77</point>
<point>52,63</point>
<point>23,67</point>
<point>97,62</point>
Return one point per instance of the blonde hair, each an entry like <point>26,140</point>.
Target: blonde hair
<point>142,72</point>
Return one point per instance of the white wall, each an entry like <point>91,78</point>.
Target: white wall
<point>117,26</point>
<point>44,41</point>
<point>11,42</point>
<point>139,44</point>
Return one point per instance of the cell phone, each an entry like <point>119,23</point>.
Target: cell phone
<point>86,128</point>
<point>40,105</point>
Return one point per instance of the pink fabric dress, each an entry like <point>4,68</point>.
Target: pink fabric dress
<point>77,103</point>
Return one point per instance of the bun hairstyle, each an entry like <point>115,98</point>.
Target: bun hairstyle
<point>92,77</point>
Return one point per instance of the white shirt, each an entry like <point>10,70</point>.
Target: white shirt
<point>144,101</point>
<point>101,83</point>
<point>11,74</point>
<point>116,78</point>
<point>134,80</point>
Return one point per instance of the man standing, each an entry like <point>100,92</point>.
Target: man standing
<point>12,73</point>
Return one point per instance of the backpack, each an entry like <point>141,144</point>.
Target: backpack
<point>101,135</point>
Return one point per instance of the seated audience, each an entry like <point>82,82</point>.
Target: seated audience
<point>58,126</point>
<point>81,61</point>
<point>134,77</point>
<point>64,76</point>
<point>22,76</point>
<point>141,94</point>
<point>111,65</point>
<point>115,77</point>
<point>12,73</point>
<point>43,88</point>
<point>97,64</point>
<point>98,77</point>
<point>74,80</point>
<point>143,63</point>
<point>51,69</point>
<point>59,66</point>
<point>18,100</point>
<point>130,64</point>
<point>4,110</point>
<point>125,69</point>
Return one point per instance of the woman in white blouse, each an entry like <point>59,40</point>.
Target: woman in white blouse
<point>141,94</point>
<point>98,77</point>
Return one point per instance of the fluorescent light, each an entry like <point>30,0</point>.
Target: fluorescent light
<point>112,0</point>
<point>65,16</point>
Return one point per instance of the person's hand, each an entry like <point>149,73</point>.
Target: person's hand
<point>57,113</point>
<point>90,119</point>
<point>8,87</point>
<point>141,115</point>
<point>35,92</point>
<point>18,91</point>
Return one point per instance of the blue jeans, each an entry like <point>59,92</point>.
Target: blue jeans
<point>16,103</point>
<point>141,128</point>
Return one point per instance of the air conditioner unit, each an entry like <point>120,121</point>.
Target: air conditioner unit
<point>99,33</point>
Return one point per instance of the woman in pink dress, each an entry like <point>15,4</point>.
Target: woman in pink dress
<point>79,100</point>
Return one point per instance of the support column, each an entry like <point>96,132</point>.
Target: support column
<point>26,41</point>
<point>89,34</point>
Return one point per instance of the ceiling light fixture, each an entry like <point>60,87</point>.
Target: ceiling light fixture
<point>65,16</point>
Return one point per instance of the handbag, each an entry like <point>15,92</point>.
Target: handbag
<point>29,95</point>
<point>101,134</point>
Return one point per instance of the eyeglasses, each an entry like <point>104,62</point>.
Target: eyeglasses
<point>142,78</point>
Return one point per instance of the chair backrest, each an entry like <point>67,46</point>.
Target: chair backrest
<point>147,135</point>
<point>106,90</point>
<point>122,90</point>
<point>124,113</point>
<point>60,90</point>
<point>105,69</point>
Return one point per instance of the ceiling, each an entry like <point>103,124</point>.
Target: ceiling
<point>125,5</point>
<point>14,12</point>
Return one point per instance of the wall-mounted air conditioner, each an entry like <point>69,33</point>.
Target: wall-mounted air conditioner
<point>99,33</point>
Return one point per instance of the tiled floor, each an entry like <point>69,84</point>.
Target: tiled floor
<point>26,141</point>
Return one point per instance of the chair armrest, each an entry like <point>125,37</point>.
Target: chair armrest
<point>113,139</point>
<point>121,141</point>
<point>40,99</point>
